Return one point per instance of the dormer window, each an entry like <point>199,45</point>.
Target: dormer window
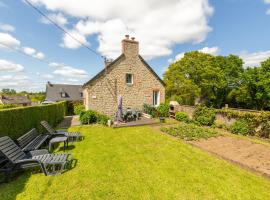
<point>63,95</point>
<point>129,79</point>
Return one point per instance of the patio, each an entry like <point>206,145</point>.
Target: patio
<point>140,122</point>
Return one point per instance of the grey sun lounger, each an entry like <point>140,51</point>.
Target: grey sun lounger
<point>50,164</point>
<point>72,136</point>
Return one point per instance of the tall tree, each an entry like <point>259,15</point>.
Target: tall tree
<point>203,75</point>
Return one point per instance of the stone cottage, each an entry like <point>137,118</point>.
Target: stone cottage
<point>128,76</point>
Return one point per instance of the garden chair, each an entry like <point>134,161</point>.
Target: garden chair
<point>31,140</point>
<point>72,136</point>
<point>18,160</point>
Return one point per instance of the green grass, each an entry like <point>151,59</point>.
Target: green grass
<point>190,132</point>
<point>139,163</point>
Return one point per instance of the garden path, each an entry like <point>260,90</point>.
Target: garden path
<point>69,121</point>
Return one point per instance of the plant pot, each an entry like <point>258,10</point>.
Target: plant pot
<point>162,119</point>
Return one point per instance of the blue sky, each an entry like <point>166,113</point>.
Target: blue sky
<point>165,30</point>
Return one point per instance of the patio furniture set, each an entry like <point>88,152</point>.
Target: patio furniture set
<point>25,151</point>
<point>129,115</point>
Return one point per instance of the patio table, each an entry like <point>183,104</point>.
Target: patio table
<point>58,140</point>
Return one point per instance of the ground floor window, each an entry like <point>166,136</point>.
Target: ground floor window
<point>156,98</point>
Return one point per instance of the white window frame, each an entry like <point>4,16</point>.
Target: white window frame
<point>132,79</point>
<point>156,98</point>
<point>63,95</point>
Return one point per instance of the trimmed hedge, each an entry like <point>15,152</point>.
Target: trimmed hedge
<point>15,122</point>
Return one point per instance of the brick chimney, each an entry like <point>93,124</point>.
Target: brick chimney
<point>108,62</point>
<point>130,47</point>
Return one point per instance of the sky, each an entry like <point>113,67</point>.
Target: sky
<point>165,30</point>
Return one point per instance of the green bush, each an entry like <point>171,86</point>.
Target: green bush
<point>151,110</point>
<point>204,116</point>
<point>15,122</point>
<point>181,116</point>
<point>78,108</point>
<point>7,106</point>
<point>91,117</point>
<point>102,119</point>
<point>190,132</point>
<point>163,110</point>
<point>88,117</point>
<point>241,127</point>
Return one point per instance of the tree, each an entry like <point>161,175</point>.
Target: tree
<point>8,91</point>
<point>254,90</point>
<point>202,75</point>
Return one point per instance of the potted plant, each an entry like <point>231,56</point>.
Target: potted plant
<point>161,117</point>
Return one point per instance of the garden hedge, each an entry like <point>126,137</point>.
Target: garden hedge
<point>14,122</point>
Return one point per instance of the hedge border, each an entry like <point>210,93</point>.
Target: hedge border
<point>15,122</point>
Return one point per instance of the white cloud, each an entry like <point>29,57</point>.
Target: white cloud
<point>268,12</point>
<point>8,66</point>
<point>7,27</point>
<point>29,50</point>
<point>32,52</point>
<point>70,43</point>
<point>5,78</point>
<point>39,55</point>
<point>254,59</point>
<point>208,50</point>
<point>8,40</point>
<point>267,1</point>
<point>157,24</point>
<point>58,18</point>
<point>55,64</point>
<point>71,72</point>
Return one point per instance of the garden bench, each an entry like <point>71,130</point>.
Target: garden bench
<point>72,136</point>
<point>18,160</point>
<point>31,140</point>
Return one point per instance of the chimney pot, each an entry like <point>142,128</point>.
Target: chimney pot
<point>127,37</point>
<point>133,38</point>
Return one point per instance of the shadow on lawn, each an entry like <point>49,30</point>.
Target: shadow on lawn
<point>18,180</point>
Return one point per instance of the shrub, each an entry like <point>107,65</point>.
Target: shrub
<point>241,127</point>
<point>163,110</point>
<point>151,110</point>
<point>78,109</point>
<point>91,117</point>
<point>190,132</point>
<point>71,105</point>
<point>181,116</point>
<point>7,106</point>
<point>88,117</point>
<point>15,122</point>
<point>204,116</point>
<point>102,119</point>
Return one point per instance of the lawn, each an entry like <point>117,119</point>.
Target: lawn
<point>139,163</point>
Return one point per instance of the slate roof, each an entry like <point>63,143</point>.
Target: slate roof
<point>15,100</point>
<point>117,59</point>
<point>72,92</point>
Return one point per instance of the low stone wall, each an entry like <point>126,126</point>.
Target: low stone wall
<point>184,108</point>
<point>220,118</point>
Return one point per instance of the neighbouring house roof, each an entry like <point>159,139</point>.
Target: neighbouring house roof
<point>14,100</point>
<point>117,59</point>
<point>72,92</point>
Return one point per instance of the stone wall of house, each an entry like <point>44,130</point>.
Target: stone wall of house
<point>101,94</point>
